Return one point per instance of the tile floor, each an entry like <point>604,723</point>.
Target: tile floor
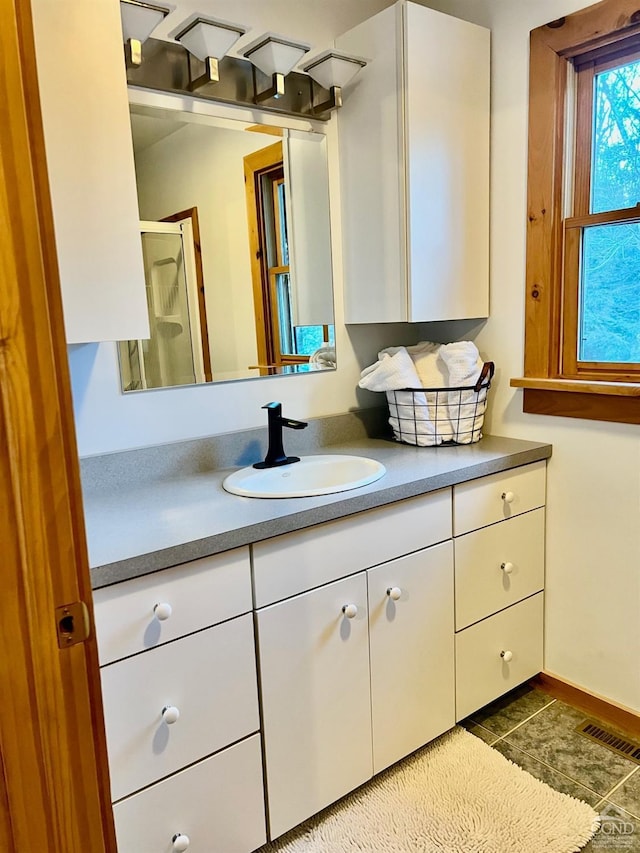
<point>537,732</point>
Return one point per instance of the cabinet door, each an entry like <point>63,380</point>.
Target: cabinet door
<point>414,168</point>
<point>314,673</point>
<point>412,652</point>
<point>446,123</point>
<point>85,114</point>
<point>372,175</point>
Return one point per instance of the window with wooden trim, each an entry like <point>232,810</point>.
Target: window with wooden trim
<point>582,346</point>
<point>282,344</point>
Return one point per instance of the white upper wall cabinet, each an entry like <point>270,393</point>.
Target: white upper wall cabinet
<point>414,165</point>
<point>91,169</point>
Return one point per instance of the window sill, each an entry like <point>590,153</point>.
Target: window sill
<point>617,402</point>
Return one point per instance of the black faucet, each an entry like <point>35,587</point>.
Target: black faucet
<point>275,454</point>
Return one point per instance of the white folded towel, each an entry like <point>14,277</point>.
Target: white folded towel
<point>324,356</point>
<point>409,411</point>
<point>390,372</point>
<point>464,365</point>
<point>431,370</point>
<point>410,418</point>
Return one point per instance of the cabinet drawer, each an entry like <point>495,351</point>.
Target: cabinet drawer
<point>498,496</point>
<point>200,594</point>
<point>482,674</point>
<point>209,676</point>
<point>218,804</point>
<point>295,562</point>
<point>498,566</point>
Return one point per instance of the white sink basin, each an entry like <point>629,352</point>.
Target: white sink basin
<point>312,475</point>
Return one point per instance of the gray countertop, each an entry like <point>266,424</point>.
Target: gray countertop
<point>152,524</point>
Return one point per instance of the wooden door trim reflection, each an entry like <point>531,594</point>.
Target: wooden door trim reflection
<point>192,214</point>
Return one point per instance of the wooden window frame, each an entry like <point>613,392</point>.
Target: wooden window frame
<point>607,28</point>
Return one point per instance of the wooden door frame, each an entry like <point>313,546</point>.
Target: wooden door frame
<point>256,164</point>
<point>54,783</point>
<point>192,214</point>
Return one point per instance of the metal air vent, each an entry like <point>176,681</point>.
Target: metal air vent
<point>612,740</point>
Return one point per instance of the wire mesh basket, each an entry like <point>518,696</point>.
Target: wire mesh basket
<point>431,416</point>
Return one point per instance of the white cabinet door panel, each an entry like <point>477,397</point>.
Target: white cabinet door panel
<point>412,652</point>
<point>371,165</point>
<point>316,701</point>
<point>91,169</point>
<point>218,804</point>
<point>447,139</point>
<point>414,168</point>
<point>209,676</point>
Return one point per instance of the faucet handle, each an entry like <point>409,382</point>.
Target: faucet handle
<point>288,422</point>
<point>272,405</point>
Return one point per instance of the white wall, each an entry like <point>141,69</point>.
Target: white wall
<point>593,530</point>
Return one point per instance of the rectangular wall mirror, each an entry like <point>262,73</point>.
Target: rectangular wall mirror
<point>237,251</point>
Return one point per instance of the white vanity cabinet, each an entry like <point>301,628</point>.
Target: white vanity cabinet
<point>91,168</point>
<point>365,638</point>
<point>181,711</point>
<point>499,578</point>
<point>414,168</point>
<point>373,649</point>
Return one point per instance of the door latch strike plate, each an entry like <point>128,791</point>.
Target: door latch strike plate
<point>72,624</point>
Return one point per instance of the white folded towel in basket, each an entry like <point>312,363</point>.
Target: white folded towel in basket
<point>464,366</point>
<point>393,370</point>
<point>409,411</point>
<point>431,417</point>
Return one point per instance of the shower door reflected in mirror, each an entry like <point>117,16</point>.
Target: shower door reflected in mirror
<point>260,311</point>
<point>177,353</point>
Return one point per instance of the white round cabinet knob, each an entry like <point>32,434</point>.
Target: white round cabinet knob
<point>506,656</point>
<point>508,497</point>
<point>394,592</point>
<point>180,842</point>
<point>350,611</point>
<point>162,611</point>
<point>507,568</point>
<point>171,715</point>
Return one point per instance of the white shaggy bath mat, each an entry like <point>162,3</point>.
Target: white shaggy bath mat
<point>456,795</point>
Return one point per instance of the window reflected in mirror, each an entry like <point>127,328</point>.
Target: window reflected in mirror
<point>236,244</point>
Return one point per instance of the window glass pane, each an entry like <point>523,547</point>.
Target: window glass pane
<point>282,212</point>
<point>615,179</point>
<point>610,294</point>
<point>308,339</point>
<point>285,318</point>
